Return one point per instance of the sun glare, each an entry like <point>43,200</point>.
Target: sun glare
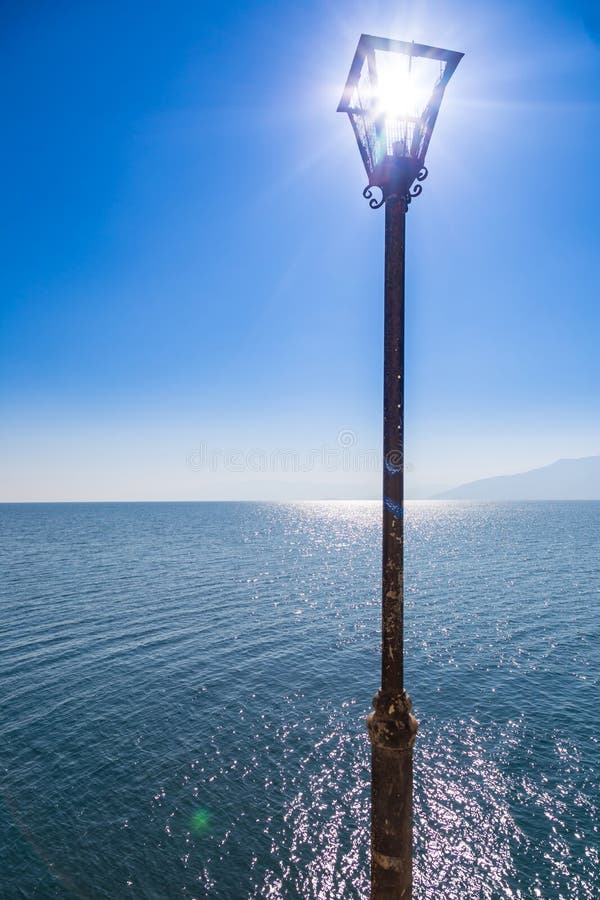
<point>404,86</point>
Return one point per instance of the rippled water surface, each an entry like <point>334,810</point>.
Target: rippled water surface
<point>185,685</point>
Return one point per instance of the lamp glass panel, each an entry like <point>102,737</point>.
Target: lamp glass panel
<point>405,85</point>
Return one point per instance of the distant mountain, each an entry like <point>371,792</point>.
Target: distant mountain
<point>566,479</point>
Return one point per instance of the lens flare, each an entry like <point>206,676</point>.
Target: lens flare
<point>201,820</point>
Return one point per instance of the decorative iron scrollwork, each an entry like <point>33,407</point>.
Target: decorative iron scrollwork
<point>416,189</point>
<point>387,194</point>
<point>374,203</point>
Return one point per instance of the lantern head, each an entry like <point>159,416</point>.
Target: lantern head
<point>392,97</point>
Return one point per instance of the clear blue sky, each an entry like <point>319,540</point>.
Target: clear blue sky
<point>188,262</point>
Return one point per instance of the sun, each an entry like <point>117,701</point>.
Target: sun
<point>404,85</point>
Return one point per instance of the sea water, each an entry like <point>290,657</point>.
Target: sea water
<point>184,692</point>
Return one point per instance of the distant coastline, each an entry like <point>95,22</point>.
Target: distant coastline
<point>565,479</point>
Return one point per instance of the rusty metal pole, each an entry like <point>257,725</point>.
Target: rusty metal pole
<point>392,728</point>
<point>393,147</point>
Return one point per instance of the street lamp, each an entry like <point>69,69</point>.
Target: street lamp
<point>392,97</point>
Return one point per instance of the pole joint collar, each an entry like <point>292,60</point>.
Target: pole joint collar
<point>391,724</point>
